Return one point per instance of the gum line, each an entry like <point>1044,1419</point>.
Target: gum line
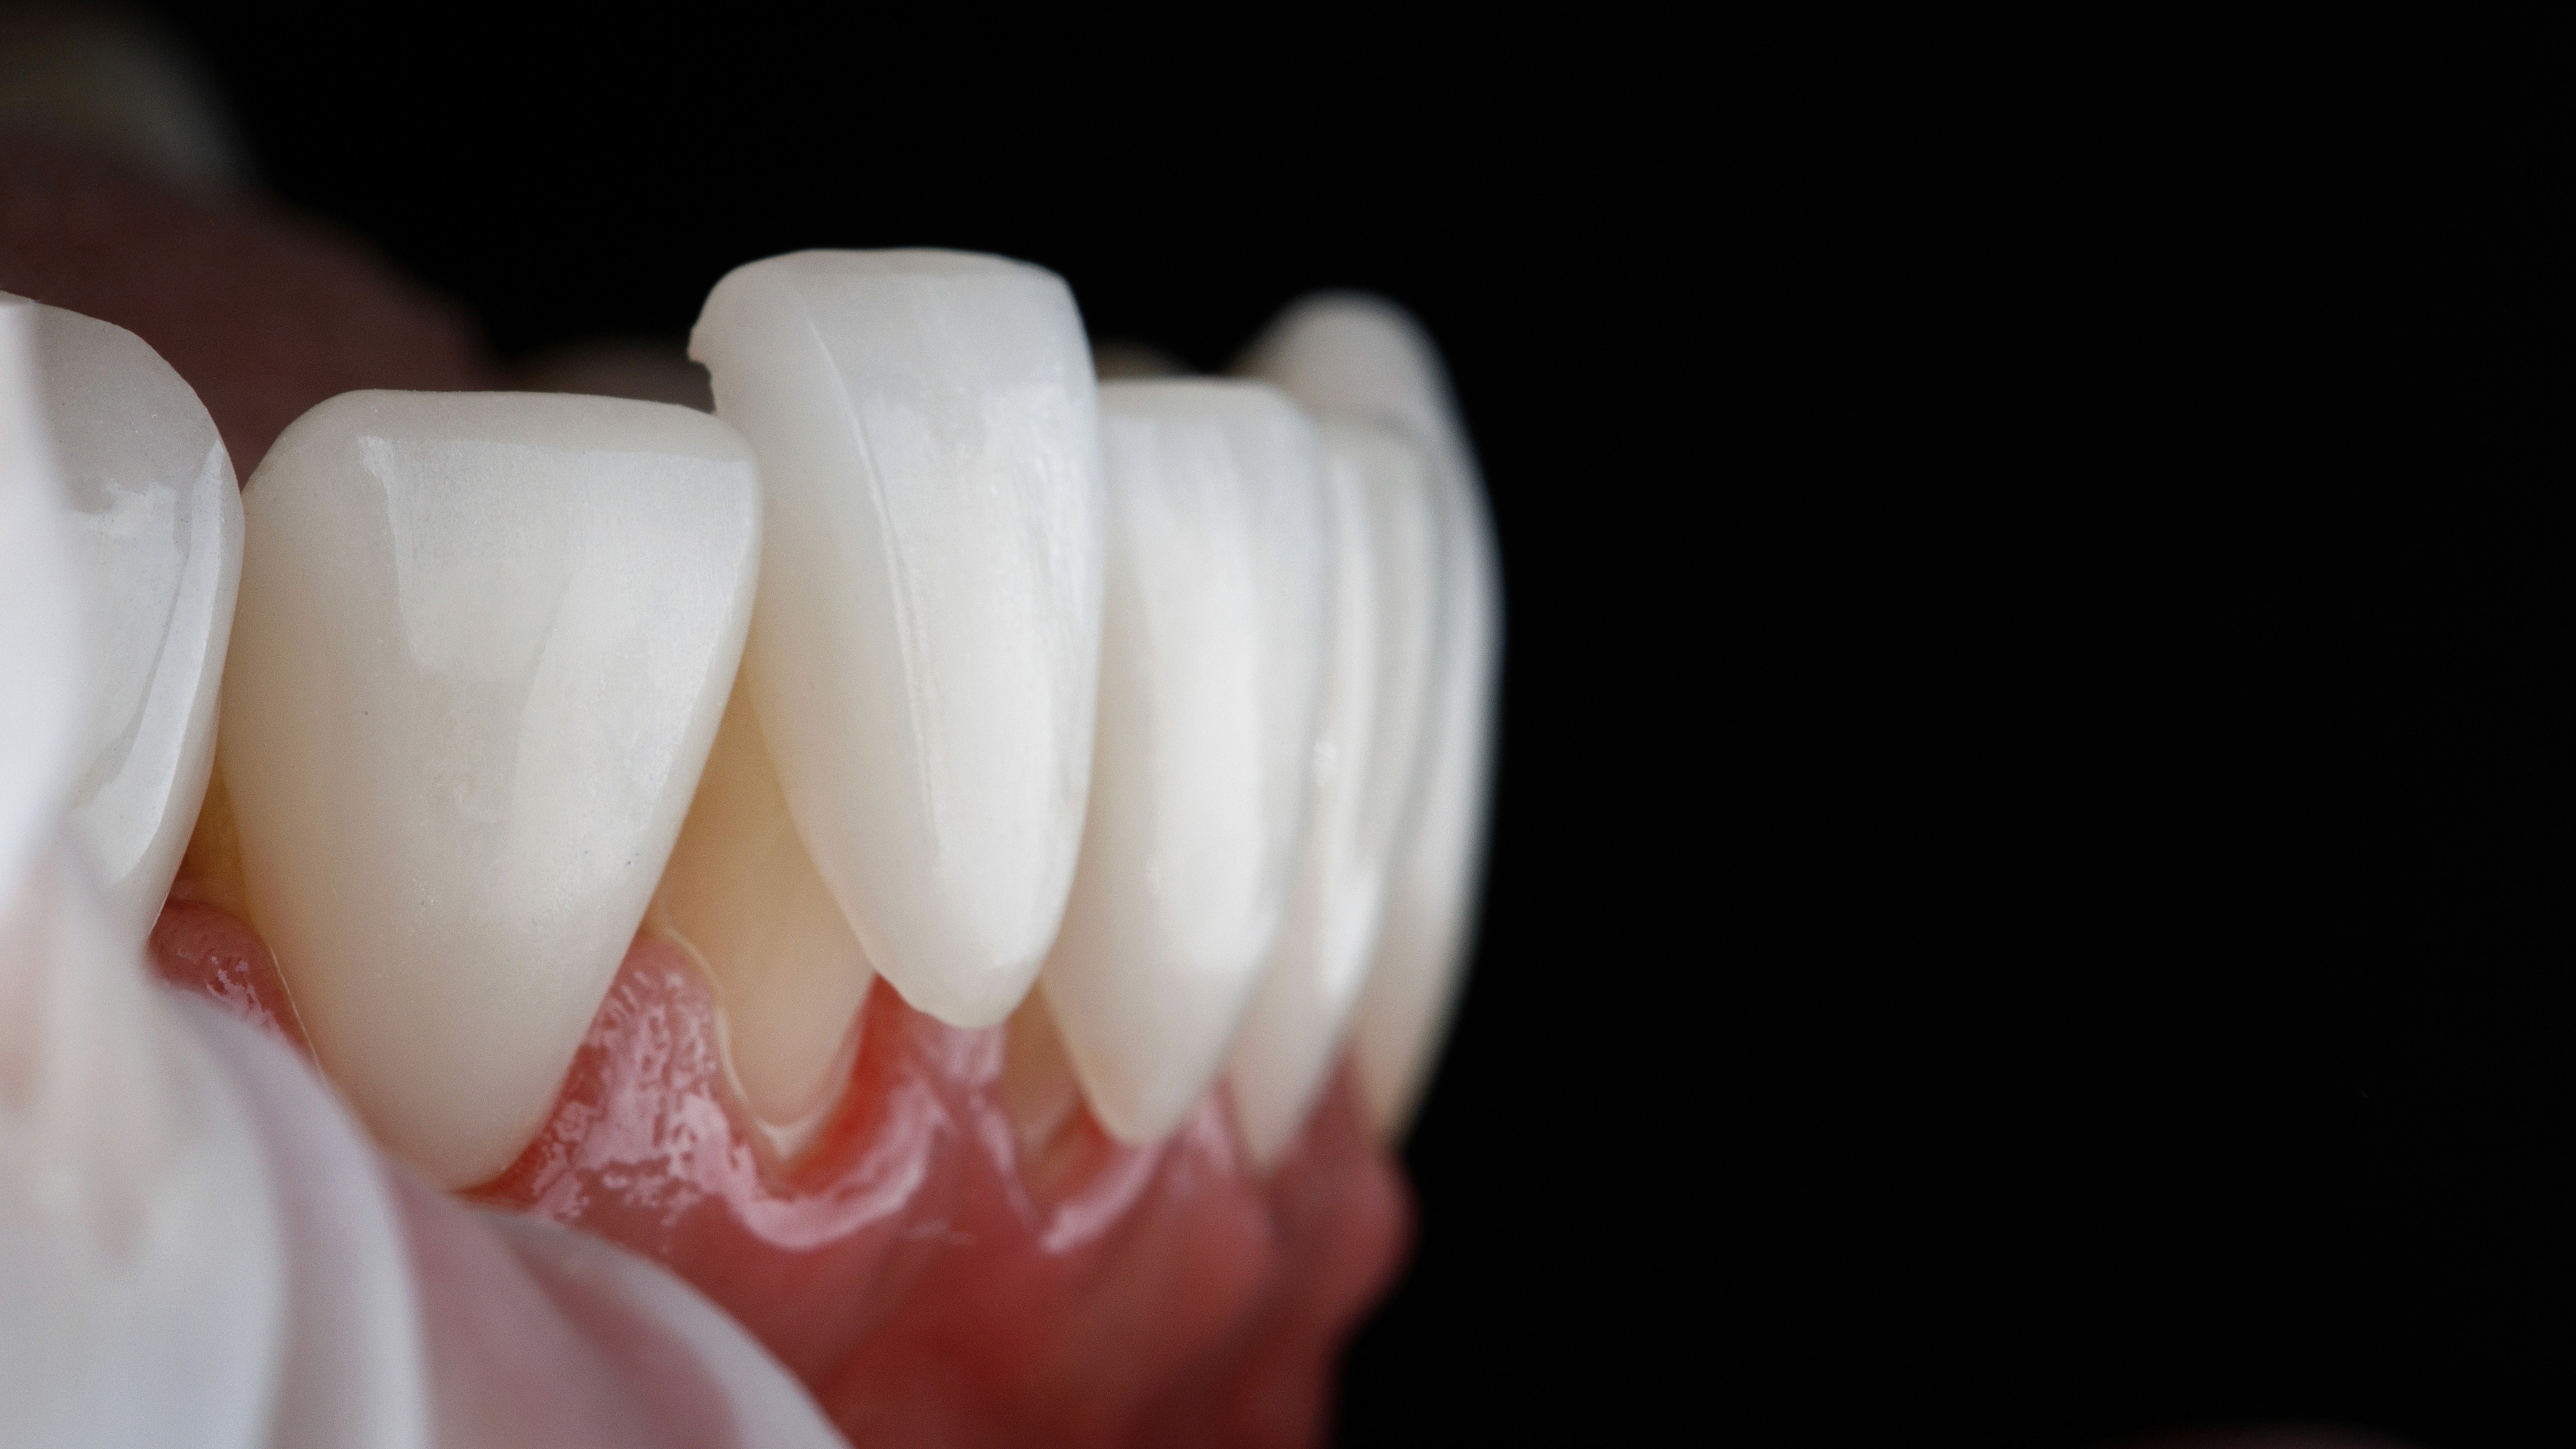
<point>962,1256</point>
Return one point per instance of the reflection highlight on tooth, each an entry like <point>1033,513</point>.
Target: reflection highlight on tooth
<point>40,630</point>
<point>1364,779</point>
<point>1351,355</point>
<point>483,645</point>
<point>156,526</point>
<point>925,655</point>
<point>1213,634</point>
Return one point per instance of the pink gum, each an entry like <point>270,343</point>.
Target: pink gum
<point>963,1256</point>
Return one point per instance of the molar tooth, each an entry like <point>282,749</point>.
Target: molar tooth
<point>1347,354</point>
<point>742,894</point>
<point>925,655</point>
<point>157,520</point>
<point>483,645</point>
<point>1212,642</point>
<point>1376,687</point>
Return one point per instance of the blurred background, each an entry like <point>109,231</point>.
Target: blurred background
<point>1994,932</point>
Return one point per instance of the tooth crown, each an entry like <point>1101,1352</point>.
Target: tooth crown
<point>924,660</point>
<point>1353,355</point>
<point>39,625</point>
<point>1365,780</point>
<point>483,644</point>
<point>742,896</point>
<point>1213,635</point>
<point>156,527</point>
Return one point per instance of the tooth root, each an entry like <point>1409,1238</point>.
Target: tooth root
<point>1212,648</point>
<point>1351,355</point>
<point>157,523</point>
<point>742,894</point>
<point>1376,686</point>
<point>925,655</point>
<point>483,645</point>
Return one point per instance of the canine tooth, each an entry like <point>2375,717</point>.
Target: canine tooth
<point>1385,597</point>
<point>1212,643</point>
<point>925,655</point>
<point>483,644</point>
<point>156,516</point>
<point>742,894</point>
<point>1365,357</point>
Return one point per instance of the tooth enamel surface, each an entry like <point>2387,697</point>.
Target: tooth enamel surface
<point>1213,635</point>
<point>483,645</point>
<point>1358,356</point>
<point>926,651</point>
<point>40,718</point>
<point>742,894</point>
<point>156,523</point>
<point>1386,549</point>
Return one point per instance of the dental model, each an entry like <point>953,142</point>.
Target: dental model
<point>1362,356</point>
<point>156,521</point>
<point>197,1246</point>
<point>859,899</point>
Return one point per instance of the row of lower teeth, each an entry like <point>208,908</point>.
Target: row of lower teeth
<point>1169,698</point>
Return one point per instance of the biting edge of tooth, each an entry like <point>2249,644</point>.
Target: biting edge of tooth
<point>1364,780</point>
<point>483,644</point>
<point>741,896</point>
<point>156,522</point>
<point>1212,643</point>
<point>924,660</point>
<point>1355,355</point>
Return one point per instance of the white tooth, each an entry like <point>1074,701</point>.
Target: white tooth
<point>142,1296</point>
<point>1384,611</point>
<point>352,1372</point>
<point>926,651</point>
<point>40,624</point>
<point>157,524</point>
<point>742,894</point>
<point>483,645</point>
<point>768,1407</point>
<point>1212,643</point>
<point>1361,356</point>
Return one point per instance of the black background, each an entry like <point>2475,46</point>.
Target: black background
<point>1994,931</point>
